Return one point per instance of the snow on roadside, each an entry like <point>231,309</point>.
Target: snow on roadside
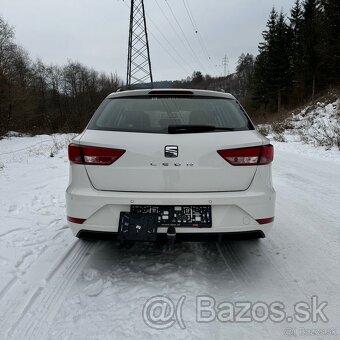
<point>319,124</point>
<point>300,148</point>
<point>16,148</point>
<point>32,204</point>
<point>316,125</point>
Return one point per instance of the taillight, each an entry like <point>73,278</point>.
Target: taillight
<point>93,155</point>
<point>258,155</point>
<point>267,154</point>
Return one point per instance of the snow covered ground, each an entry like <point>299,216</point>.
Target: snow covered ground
<point>53,286</point>
<point>317,124</point>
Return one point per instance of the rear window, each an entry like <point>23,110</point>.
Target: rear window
<point>154,114</point>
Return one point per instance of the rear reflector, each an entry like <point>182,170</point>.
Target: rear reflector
<point>258,155</point>
<point>265,220</point>
<point>93,155</point>
<point>75,220</point>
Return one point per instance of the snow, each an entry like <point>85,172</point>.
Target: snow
<point>318,125</point>
<point>54,286</point>
<point>298,148</point>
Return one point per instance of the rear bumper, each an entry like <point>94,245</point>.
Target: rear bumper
<point>202,236</point>
<point>232,212</point>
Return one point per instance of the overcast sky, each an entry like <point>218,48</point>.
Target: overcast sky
<point>96,32</point>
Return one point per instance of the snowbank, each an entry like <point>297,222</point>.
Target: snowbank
<point>317,124</point>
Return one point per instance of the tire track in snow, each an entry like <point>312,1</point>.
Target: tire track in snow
<point>243,267</point>
<point>8,286</point>
<point>242,274</point>
<point>50,300</point>
<point>236,271</point>
<point>24,314</point>
<point>253,270</point>
<point>12,231</point>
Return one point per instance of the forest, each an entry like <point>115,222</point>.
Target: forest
<point>298,58</point>
<point>39,98</point>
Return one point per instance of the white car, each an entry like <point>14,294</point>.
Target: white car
<point>181,163</point>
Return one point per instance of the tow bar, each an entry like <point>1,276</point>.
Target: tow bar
<point>171,234</point>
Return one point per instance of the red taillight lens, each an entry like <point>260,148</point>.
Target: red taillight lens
<point>74,154</point>
<point>93,155</point>
<point>258,155</point>
<point>267,154</point>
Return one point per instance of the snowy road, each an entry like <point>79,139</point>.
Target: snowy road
<point>53,286</point>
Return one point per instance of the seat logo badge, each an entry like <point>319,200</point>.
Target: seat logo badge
<point>171,151</point>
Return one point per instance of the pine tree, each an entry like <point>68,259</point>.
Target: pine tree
<point>260,86</point>
<point>296,58</point>
<point>331,28</point>
<point>262,90</point>
<point>273,69</point>
<point>269,34</point>
<point>312,18</point>
<point>245,71</point>
<point>279,59</point>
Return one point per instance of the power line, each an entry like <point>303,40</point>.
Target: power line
<point>180,38</point>
<point>167,40</point>
<point>184,36</point>
<point>167,51</point>
<point>194,26</point>
<point>190,17</point>
<point>193,21</point>
<point>196,30</point>
<point>190,11</point>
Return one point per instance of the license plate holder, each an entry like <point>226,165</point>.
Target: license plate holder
<point>137,227</point>
<point>190,216</point>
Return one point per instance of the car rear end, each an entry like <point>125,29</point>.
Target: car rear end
<point>191,157</point>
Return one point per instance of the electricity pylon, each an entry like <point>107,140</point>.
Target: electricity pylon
<point>225,64</point>
<point>139,63</point>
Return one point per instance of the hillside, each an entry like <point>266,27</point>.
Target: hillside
<point>317,123</point>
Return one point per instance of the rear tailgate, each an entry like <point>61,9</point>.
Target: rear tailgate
<point>144,167</point>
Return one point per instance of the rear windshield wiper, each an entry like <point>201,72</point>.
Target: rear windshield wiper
<point>172,129</point>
